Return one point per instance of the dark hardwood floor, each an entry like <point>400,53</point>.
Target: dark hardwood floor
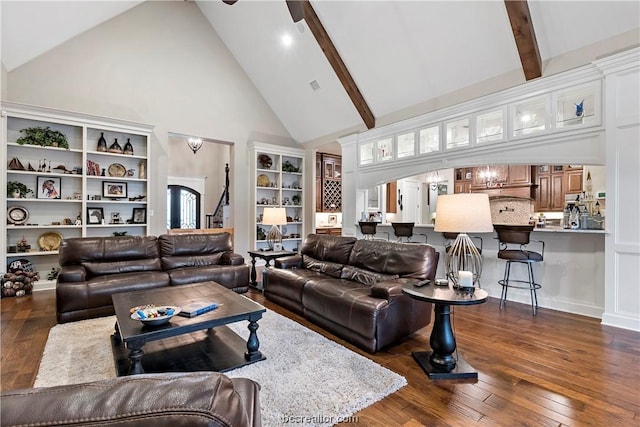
<point>555,369</point>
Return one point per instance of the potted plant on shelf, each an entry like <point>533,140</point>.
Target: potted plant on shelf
<point>17,190</point>
<point>43,136</point>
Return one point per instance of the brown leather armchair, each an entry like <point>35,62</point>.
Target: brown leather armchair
<point>171,400</point>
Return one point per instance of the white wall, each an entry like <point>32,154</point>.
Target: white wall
<point>159,63</point>
<point>622,243</point>
<point>3,82</point>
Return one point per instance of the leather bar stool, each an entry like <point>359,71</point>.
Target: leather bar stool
<point>512,247</point>
<point>404,230</point>
<point>369,230</point>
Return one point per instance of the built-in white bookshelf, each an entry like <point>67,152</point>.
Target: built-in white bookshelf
<point>76,190</point>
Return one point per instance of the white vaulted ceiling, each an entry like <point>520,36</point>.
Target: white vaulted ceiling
<point>401,54</point>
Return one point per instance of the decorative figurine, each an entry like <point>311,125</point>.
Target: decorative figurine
<point>580,108</point>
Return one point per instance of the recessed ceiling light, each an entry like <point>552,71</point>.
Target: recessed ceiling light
<point>287,40</point>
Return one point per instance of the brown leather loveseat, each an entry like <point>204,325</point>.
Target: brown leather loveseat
<point>171,400</point>
<point>94,268</point>
<point>353,288</point>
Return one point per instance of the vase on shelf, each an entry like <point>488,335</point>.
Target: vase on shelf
<point>102,143</point>
<point>115,147</point>
<point>128,148</point>
<point>142,169</point>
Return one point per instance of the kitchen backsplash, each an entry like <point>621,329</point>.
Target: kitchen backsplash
<point>511,211</point>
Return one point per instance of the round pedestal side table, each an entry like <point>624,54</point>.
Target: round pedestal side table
<point>439,363</point>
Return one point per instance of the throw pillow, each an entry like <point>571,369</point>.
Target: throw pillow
<point>329,268</point>
<point>365,277</point>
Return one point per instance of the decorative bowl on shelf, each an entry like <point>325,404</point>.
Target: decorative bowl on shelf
<point>17,215</point>
<point>263,180</point>
<point>265,161</point>
<point>116,169</point>
<point>50,241</point>
<point>153,315</point>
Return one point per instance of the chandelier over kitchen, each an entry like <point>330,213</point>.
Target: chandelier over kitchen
<point>490,178</point>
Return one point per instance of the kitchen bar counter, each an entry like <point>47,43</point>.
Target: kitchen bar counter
<point>547,229</point>
<point>568,230</point>
<point>572,273</point>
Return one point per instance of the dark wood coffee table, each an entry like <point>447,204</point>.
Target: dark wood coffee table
<point>201,343</point>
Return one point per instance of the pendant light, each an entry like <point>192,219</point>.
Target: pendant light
<point>194,144</point>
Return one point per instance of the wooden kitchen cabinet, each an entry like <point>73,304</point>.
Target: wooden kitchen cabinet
<point>573,180</point>
<point>392,197</point>
<point>462,187</point>
<point>329,183</point>
<point>550,194</point>
<point>463,178</point>
<point>554,182</point>
<point>519,175</point>
<point>333,231</point>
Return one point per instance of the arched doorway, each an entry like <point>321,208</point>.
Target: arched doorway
<point>183,207</point>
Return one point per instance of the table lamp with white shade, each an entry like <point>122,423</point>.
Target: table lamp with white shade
<point>463,213</point>
<point>274,217</point>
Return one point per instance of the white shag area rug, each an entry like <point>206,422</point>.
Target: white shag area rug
<point>306,379</point>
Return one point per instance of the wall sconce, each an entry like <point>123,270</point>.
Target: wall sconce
<point>194,144</point>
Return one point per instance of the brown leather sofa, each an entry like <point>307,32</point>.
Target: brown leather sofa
<point>93,268</point>
<point>171,400</point>
<point>353,288</point>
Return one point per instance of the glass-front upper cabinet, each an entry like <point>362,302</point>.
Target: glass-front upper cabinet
<point>366,153</point>
<point>429,139</point>
<point>384,150</point>
<point>490,126</point>
<point>529,116</point>
<point>406,144</point>
<point>458,133</point>
<point>577,106</point>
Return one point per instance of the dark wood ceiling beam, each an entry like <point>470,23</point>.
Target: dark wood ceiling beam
<point>525,37</point>
<point>302,9</point>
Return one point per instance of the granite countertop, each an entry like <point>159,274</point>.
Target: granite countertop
<point>557,229</point>
<point>547,229</point>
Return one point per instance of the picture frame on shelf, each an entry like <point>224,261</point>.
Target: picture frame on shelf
<point>115,218</point>
<point>95,216</point>
<point>114,190</point>
<point>48,187</point>
<point>139,216</point>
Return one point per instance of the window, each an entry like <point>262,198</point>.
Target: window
<point>458,133</point>
<point>366,153</point>
<point>406,145</point>
<point>430,139</point>
<point>490,126</point>
<point>385,150</point>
